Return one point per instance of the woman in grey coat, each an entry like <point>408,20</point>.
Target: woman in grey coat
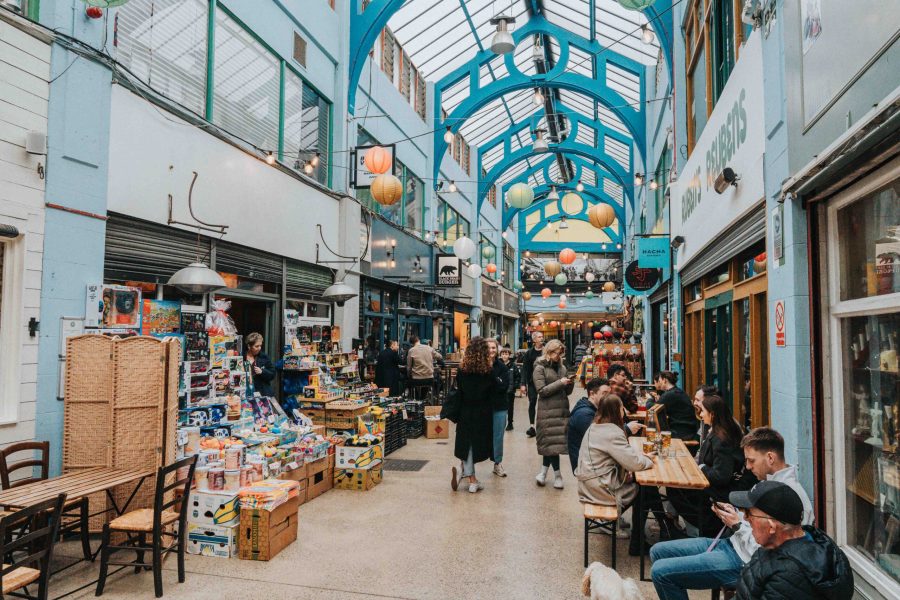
<point>552,419</point>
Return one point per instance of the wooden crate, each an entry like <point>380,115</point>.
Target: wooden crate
<point>343,415</point>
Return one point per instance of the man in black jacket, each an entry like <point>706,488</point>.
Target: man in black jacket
<point>679,411</point>
<point>582,416</point>
<point>795,562</point>
<point>532,355</point>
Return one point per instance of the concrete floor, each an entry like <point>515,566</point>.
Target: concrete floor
<point>411,537</point>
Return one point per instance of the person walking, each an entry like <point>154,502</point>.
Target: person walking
<point>552,415</point>
<point>499,404</point>
<point>261,367</point>
<point>514,378</point>
<point>679,409</point>
<point>476,385</point>
<point>387,368</point>
<point>531,356</point>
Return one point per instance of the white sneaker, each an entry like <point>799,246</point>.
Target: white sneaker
<point>475,487</point>
<point>498,470</point>
<point>541,479</point>
<point>558,483</point>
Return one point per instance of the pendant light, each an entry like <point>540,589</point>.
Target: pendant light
<point>448,136</point>
<point>540,144</point>
<point>502,42</point>
<point>196,278</point>
<point>553,195</point>
<point>646,34</point>
<point>579,187</point>
<point>638,179</point>
<point>563,223</point>
<point>538,98</point>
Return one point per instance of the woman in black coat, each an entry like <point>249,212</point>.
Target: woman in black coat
<point>722,461</point>
<point>476,388</point>
<point>261,368</point>
<point>387,369</point>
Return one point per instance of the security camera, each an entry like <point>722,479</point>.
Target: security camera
<point>726,178</point>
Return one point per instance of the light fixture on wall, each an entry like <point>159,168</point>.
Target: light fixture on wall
<point>502,42</point>
<point>36,143</point>
<point>725,179</point>
<point>448,135</point>
<point>538,98</point>
<point>677,242</point>
<point>647,35</point>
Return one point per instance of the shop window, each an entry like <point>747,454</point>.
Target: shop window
<point>11,290</point>
<point>509,265</point>
<point>869,232</point>
<point>717,275</point>
<point>164,44</point>
<point>315,310</point>
<point>246,84</point>
<point>413,202</point>
<point>661,176</point>
<point>722,32</point>
<point>306,126</point>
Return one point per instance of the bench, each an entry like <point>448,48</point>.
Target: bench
<point>597,519</point>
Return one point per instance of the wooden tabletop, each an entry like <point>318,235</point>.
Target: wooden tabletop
<point>74,485</point>
<point>679,470</point>
<point>638,416</point>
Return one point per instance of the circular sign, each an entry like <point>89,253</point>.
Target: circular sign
<point>641,279</point>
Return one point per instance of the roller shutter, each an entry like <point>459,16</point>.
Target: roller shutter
<point>143,251</point>
<point>248,262</point>
<point>307,281</point>
<point>741,235</point>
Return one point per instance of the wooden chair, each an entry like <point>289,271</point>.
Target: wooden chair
<point>75,513</point>
<point>26,556</point>
<point>599,518</point>
<point>157,522</point>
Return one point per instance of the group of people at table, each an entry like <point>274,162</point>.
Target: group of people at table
<point>753,525</point>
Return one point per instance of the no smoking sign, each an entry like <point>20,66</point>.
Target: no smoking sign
<point>779,324</point>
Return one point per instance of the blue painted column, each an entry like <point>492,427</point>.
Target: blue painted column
<point>77,162</point>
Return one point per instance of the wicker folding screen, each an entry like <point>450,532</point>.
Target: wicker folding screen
<point>87,431</point>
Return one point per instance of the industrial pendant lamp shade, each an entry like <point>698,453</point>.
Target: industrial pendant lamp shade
<point>386,189</point>
<point>567,256</point>
<point>561,279</point>
<point>474,271</point>
<point>635,4</point>
<point>601,215</point>
<point>464,248</point>
<point>406,310</point>
<point>520,195</point>
<point>502,42</point>
<point>197,278</point>
<point>378,160</point>
<point>339,292</point>
<point>539,144</point>
<point>488,252</point>
<point>553,195</point>
<point>552,268</point>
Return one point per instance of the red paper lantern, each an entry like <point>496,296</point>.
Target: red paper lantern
<point>567,256</point>
<point>608,334</point>
<point>561,305</point>
<point>93,12</point>
<point>597,335</point>
<point>490,268</point>
<point>545,293</point>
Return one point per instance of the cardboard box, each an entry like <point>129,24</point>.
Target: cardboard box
<point>213,508</point>
<point>263,534</point>
<point>317,466</point>
<point>436,429</point>
<point>212,540</point>
<point>294,471</point>
<point>319,483</point>
<point>358,479</point>
<point>353,457</point>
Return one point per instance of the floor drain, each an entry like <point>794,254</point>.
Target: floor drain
<point>404,464</point>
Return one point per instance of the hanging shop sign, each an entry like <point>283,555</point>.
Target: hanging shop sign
<point>640,280</point>
<point>448,268</point>
<point>361,176</point>
<point>653,252</point>
<point>733,138</point>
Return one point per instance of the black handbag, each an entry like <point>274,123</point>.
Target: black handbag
<point>452,406</point>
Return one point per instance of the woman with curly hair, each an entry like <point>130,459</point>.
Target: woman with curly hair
<point>476,386</point>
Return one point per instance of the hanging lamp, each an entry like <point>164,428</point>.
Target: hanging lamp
<point>502,42</point>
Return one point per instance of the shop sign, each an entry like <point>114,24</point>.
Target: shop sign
<point>653,252</point>
<point>780,338</point>
<point>490,296</point>
<point>511,303</point>
<point>360,176</point>
<point>449,270</point>
<point>778,234</point>
<point>640,280</point>
<point>734,137</point>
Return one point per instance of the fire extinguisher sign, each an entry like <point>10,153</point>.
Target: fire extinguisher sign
<point>780,340</point>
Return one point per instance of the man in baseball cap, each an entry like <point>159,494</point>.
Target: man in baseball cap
<point>800,563</point>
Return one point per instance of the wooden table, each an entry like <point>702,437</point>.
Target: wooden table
<point>678,470</point>
<point>641,416</point>
<point>75,485</point>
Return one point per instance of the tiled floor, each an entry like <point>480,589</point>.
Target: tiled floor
<point>410,538</point>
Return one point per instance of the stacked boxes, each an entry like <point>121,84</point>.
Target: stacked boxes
<point>343,415</point>
<point>436,428</point>
<point>264,533</point>
<point>360,480</point>
<point>395,429</point>
<point>415,419</point>
<point>212,522</point>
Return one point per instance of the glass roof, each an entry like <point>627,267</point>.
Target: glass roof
<point>442,35</point>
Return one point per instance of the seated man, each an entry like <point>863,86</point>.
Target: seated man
<point>583,415</point>
<point>793,562</point>
<point>690,564</point>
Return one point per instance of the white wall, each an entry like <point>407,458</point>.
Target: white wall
<point>153,154</point>
<point>24,93</point>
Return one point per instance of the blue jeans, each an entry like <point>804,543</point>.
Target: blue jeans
<point>468,465</point>
<point>499,432</point>
<point>682,565</point>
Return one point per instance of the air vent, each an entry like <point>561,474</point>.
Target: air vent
<point>299,49</point>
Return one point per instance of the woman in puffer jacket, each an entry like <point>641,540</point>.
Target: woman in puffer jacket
<point>553,388</point>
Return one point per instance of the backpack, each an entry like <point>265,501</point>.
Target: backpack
<point>452,406</point>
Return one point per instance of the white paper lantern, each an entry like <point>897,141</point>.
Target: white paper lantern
<point>464,248</point>
<point>589,276</point>
<point>474,270</point>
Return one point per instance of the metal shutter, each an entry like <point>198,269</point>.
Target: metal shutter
<point>741,235</point>
<point>143,251</point>
<point>405,75</point>
<point>248,262</point>
<point>305,280</point>
<point>387,53</point>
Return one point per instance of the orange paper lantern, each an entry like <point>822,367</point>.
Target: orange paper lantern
<point>601,215</point>
<point>526,296</point>
<point>490,268</point>
<point>378,160</point>
<point>552,268</point>
<point>561,305</point>
<point>386,189</point>
<point>609,286</point>
<point>567,256</point>
<point>545,293</point>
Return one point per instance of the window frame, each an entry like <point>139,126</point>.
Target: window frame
<point>12,284</point>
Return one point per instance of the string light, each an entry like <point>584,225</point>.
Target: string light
<point>646,34</point>
<point>270,158</point>
<point>538,98</point>
<point>638,179</point>
<point>448,135</point>
<point>653,184</point>
<point>579,187</point>
<point>452,188</point>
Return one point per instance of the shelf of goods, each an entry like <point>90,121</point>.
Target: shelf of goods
<point>605,354</point>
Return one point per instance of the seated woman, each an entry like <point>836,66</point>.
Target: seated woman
<point>606,462</point>
<point>722,461</point>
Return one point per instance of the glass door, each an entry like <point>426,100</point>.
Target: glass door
<point>718,348</point>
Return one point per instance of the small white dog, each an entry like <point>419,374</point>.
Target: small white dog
<point>602,583</point>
